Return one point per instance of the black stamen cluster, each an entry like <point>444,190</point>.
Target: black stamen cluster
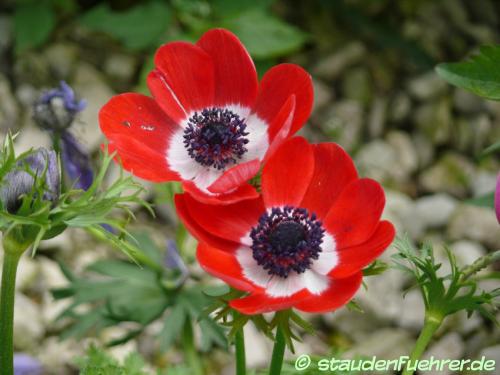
<point>287,239</point>
<point>216,137</point>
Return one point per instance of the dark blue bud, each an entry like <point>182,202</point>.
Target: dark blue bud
<point>56,109</point>
<point>20,181</point>
<point>76,162</point>
<point>26,365</point>
<point>173,259</point>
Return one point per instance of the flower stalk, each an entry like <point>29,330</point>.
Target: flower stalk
<point>239,344</point>
<point>278,352</point>
<point>12,254</point>
<point>190,350</point>
<point>431,324</point>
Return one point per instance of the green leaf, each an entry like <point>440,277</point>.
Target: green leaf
<point>487,200</point>
<point>137,28</point>
<point>264,35</point>
<point>33,24</point>
<point>495,147</point>
<point>225,9</point>
<point>172,327</point>
<point>479,75</point>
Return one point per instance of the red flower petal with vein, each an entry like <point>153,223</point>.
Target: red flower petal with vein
<point>210,123</point>
<point>304,241</point>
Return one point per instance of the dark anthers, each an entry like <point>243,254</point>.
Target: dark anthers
<point>287,239</point>
<point>216,137</point>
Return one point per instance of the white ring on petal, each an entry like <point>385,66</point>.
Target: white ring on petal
<point>328,257</point>
<point>314,282</point>
<point>180,161</point>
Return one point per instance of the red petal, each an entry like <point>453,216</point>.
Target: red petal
<point>260,303</point>
<point>287,174</point>
<point>197,231</point>
<point>231,222</point>
<point>235,177</point>
<point>141,160</point>
<point>224,266</point>
<point>165,97</point>
<point>246,191</point>
<point>235,74</point>
<point>189,72</point>
<point>333,171</point>
<point>353,259</point>
<point>337,295</point>
<point>139,117</point>
<point>277,85</point>
<point>279,129</point>
<point>355,215</point>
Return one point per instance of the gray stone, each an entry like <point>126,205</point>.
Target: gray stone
<point>476,224</point>
<point>435,210</point>
<point>323,94</point>
<point>450,346</point>
<point>483,183</point>
<point>425,149</point>
<point>491,352</point>
<point>343,123</point>
<point>392,160</point>
<point>401,211</point>
<point>91,86</point>
<point>386,343</point>
<point>9,110</point>
<point>435,121</point>
<point>412,311</point>
<point>62,59</point>
<point>28,325</point>
<point>377,117</point>
<point>120,67</point>
<point>452,174</point>
<point>467,103</point>
<point>357,85</point>
<point>407,157</point>
<point>427,86</point>
<point>400,107</point>
<point>331,66</point>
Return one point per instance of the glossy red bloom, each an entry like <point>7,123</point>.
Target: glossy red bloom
<point>304,241</point>
<point>210,123</point>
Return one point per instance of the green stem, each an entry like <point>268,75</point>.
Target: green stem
<point>479,264</point>
<point>190,349</point>
<point>431,324</point>
<point>10,262</point>
<point>278,352</point>
<point>239,343</point>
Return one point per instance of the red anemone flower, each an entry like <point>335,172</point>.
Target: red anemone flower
<point>210,124</point>
<point>304,242</point>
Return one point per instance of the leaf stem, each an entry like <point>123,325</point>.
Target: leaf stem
<point>431,324</point>
<point>239,343</point>
<point>278,352</point>
<point>190,349</point>
<point>479,264</point>
<point>9,270</point>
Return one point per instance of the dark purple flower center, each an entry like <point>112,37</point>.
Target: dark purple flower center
<point>216,137</point>
<point>287,239</point>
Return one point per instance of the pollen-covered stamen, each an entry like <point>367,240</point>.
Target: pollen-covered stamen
<point>286,240</point>
<point>216,137</point>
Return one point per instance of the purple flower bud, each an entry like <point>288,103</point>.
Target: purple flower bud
<point>174,261</point>
<point>19,181</point>
<point>56,109</point>
<point>26,365</point>
<point>497,198</point>
<point>76,162</point>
